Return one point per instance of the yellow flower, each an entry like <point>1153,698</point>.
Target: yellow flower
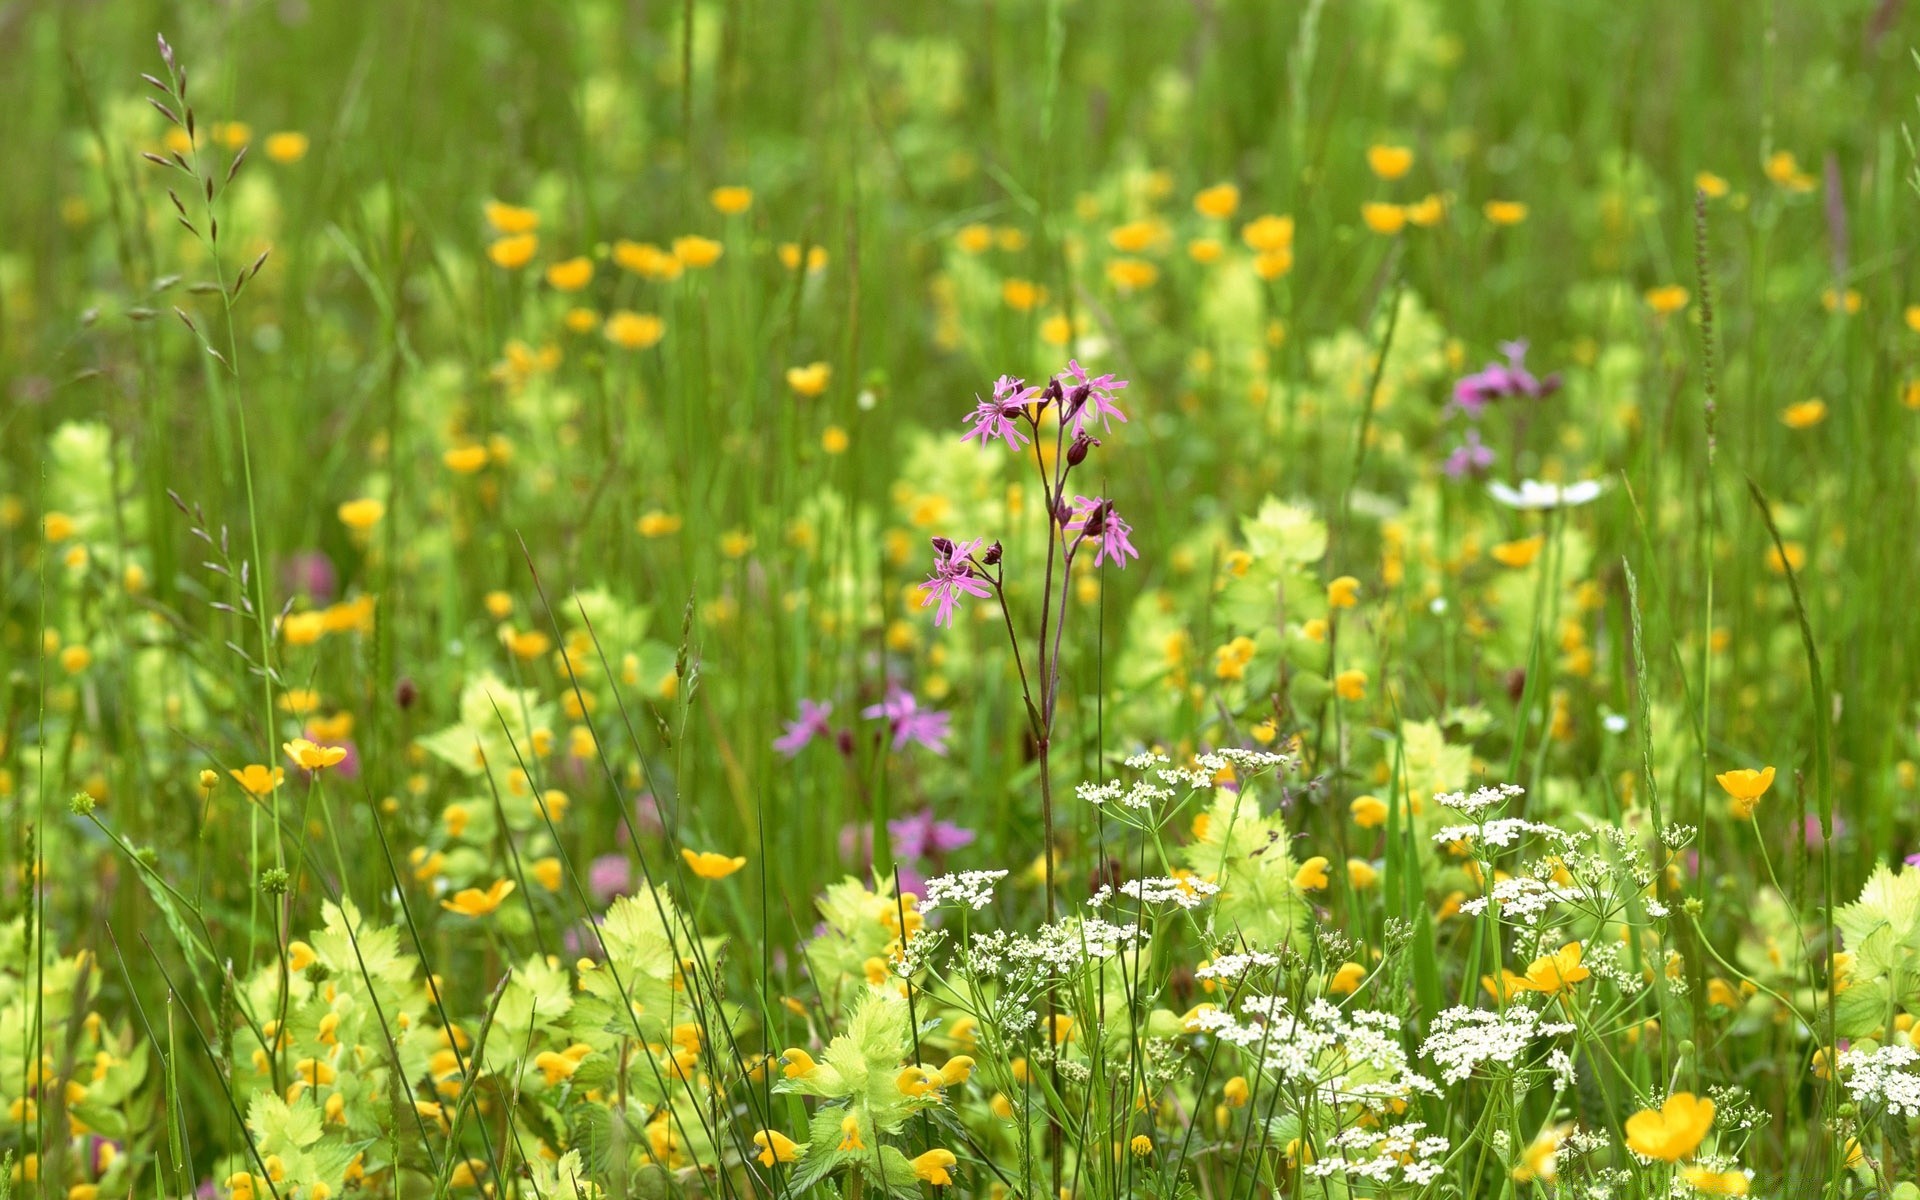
<point>1273,264</point>
<point>1361,874</point>
<point>1505,212</point>
<point>75,659</point>
<point>1351,684</point>
<point>1021,295</point>
<point>1389,162</point>
<point>1716,1183</point>
<point>1520,553</point>
<point>1219,201</point>
<point>1131,274</point>
<point>1795,558</point>
<point>232,134</point>
<point>1136,237</point>
<point>1913,317</point>
<point>810,380</point>
<point>634,331</point>
<point>1554,973</point>
<point>465,459</point>
<point>57,527</point>
<point>1672,1133</point>
<point>974,239</point>
<point>362,514</point>
<point>513,251</point>
<point>697,252</point>
<point>1237,1092</point>
<point>571,274</point>
<point>775,1147</point>
<point>834,440</point>
<point>1837,301</point>
<point>731,201</point>
<point>472,902</point>
<point>646,259</point>
<point>1201,250</point>
<point>1312,875</point>
<point>511,218</point>
<point>311,757</point>
<point>1230,660</point>
<point>1744,787</point>
<point>657,524</point>
<point>1805,414</point>
<point>1712,185</point>
<point>789,253</point>
<point>709,865</point>
<point>935,1167</point>
<point>581,320</point>
<point>850,1134</point>
<point>547,873</point>
<point>289,146</point>
<point>258,780</point>
<point>1385,219</point>
<point>1141,1145</point>
<point>1347,979</point>
<point>735,543</point>
<point>1784,169</point>
<point>1267,234</point>
<point>1369,812</point>
<point>1541,1159</point>
<point>1668,299</point>
<point>1343,592</point>
<point>1427,211</point>
<point>797,1063</point>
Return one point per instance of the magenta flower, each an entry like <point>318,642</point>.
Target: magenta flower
<point>812,724</point>
<point>998,417</point>
<point>1497,381</point>
<point>1095,518</point>
<point>953,574</point>
<point>1091,399</point>
<point>909,722</point>
<point>920,836</point>
<point>1470,457</point>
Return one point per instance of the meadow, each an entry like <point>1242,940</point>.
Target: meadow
<point>1021,598</point>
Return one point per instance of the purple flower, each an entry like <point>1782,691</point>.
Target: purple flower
<point>609,875</point>
<point>1091,399</point>
<point>920,836</point>
<point>812,724</point>
<point>1496,381</point>
<point>1471,456</point>
<point>1095,518</point>
<point>952,575</point>
<point>909,722</point>
<point>998,417</point>
<point>310,573</point>
<point>1913,860</point>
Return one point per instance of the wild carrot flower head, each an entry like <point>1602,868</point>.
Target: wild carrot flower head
<point>998,416</point>
<point>953,575</point>
<point>1096,520</point>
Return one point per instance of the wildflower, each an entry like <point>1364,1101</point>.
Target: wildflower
<point>1672,1133</point>
<point>1369,812</point>
<point>1497,381</point>
<point>1351,684</point>
<point>1203,251</point>
<point>1141,1145</point>
<point>811,724</point>
<point>1783,168</point>
<point>1804,414</point>
<point>1131,274</point>
<point>1541,1159</point>
<point>996,417</point>
<point>75,659</point>
<point>547,873</point>
<point>1710,184</point>
<point>1273,264</point>
<point>1519,553</point>
<point>1389,162</point>
<point>1535,495</point>
<point>1095,518</point>
<point>1136,237</point>
<point>797,1063</point>
<point>257,780</point>
<point>810,380</point>
<point>697,252</point>
<point>571,275</point>
<point>1554,973</point>
<point>789,254</point>
<point>1792,558</point>
<point>709,865</point>
<point>1427,211</point>
<point>362,514</point>
<point>1386,219</point>
<point>1471,456</point>
<point>934,1167</point>
<point>910,723</point>
<point>834,440</point>
<point>633,331</point>
<point>310,757</point>
<point>1716,1183</point>
<point>850,1134</point>
<point>1089,399</point>
<point>922,836</point>
<point>57,526</point>
<point>1312,875</point>
<point>472,902</point>
<point>514,251</point>
<point>465,460</point>
<point>1505,212</point>
<point>511,218</point>
<point>1219,201</point>
<point>731,201</point>
<point>657,524</point>
<point>775,1147</point>
<point>956,1071</point>
<point>1268,234</point>
<point>1361,874</point>
<point>287,146</point>
<point>646,260</point>
<point>1343,592</point>
<point>1667,300</point>
<point>953,574</point>
<point>1744,787</point>
<point>1236,1092</point>
<point>1347,979</point>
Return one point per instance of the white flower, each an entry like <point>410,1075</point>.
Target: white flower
<point>1534,494</point>
<point>1465,1040</point>
<point>974,889</point>
<point>1880,1078</point>
<point>1481,799</point>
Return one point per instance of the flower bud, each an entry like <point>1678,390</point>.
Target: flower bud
<point>1077,452</point>
<point>943,547</point>
<point>1050,393</point>
<point>992,556</point>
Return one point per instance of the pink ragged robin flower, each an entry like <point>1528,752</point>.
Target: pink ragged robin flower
<point>998,416</point>
<point>811,724</point>
<point>1096,520</point>
<point>953,575</point>
<point>1090,399</point>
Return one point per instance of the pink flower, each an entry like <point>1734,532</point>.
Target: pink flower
<point>909,722</point>
<point>952,576</point>
<point>1112,537</point>
<point>1471,456</point>
<point>998,417</point>
<point>1091,399</point>
<point>812,724</point>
